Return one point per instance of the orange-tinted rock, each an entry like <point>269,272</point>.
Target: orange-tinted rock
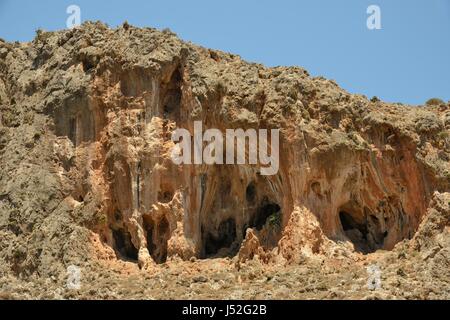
<point>87,118</point>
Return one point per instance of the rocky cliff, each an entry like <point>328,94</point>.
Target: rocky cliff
<point>87,178</point>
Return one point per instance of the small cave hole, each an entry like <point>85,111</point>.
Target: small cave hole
<point>223,238</point>
<point>117,216</point>
<point>165,196</point>
<point>123,245</point>
<point>267,211</point>
<point>87,65</point>
<point>315,187</point>
<point>172,97</point>
<point>167,110</point>
<point>157,235</point>
<point>149,226</point>
<point>250,192</point>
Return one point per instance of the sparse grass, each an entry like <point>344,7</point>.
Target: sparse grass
<point>168,31</point>
<point>39,32</point>
<point>447,174</point>
<point>443,135</point>
<point>42,36</point>
<point>275,219</point>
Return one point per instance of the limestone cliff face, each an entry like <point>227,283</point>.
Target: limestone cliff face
<point>85,145</point>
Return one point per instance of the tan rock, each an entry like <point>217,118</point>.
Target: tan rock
<point>87,176</point>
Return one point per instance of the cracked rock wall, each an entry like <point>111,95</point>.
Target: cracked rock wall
<point>85,143</point>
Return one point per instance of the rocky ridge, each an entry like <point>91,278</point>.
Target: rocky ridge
<point>87,179</point>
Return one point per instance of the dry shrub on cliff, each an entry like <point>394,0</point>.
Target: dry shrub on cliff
<point>434,102</point>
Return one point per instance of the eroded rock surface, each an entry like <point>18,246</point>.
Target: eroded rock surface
<point>87,178</point>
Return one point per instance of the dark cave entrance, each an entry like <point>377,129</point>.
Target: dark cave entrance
<point>123,245</point>
<point>363,230</point>
<point>268,211</point>
<point>250,192</point>
<point>223,238</point>
<point>172,95</point>
<point>157,236</point>
<point>165,196</point>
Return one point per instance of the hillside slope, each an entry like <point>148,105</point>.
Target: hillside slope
<point>87,179</point>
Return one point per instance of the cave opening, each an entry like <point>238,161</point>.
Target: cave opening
<point>157,236</point>
<point>250,192</point>
<point>349,223</point>
<point>267,211</point>
<point>165,196</point>
<point>149,226</point>
<point>123,245</point>
<point>172,97</point>
<point>224,238</point>
<point>364,231</point>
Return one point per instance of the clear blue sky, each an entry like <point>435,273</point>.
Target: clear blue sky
<point>408,60</point>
